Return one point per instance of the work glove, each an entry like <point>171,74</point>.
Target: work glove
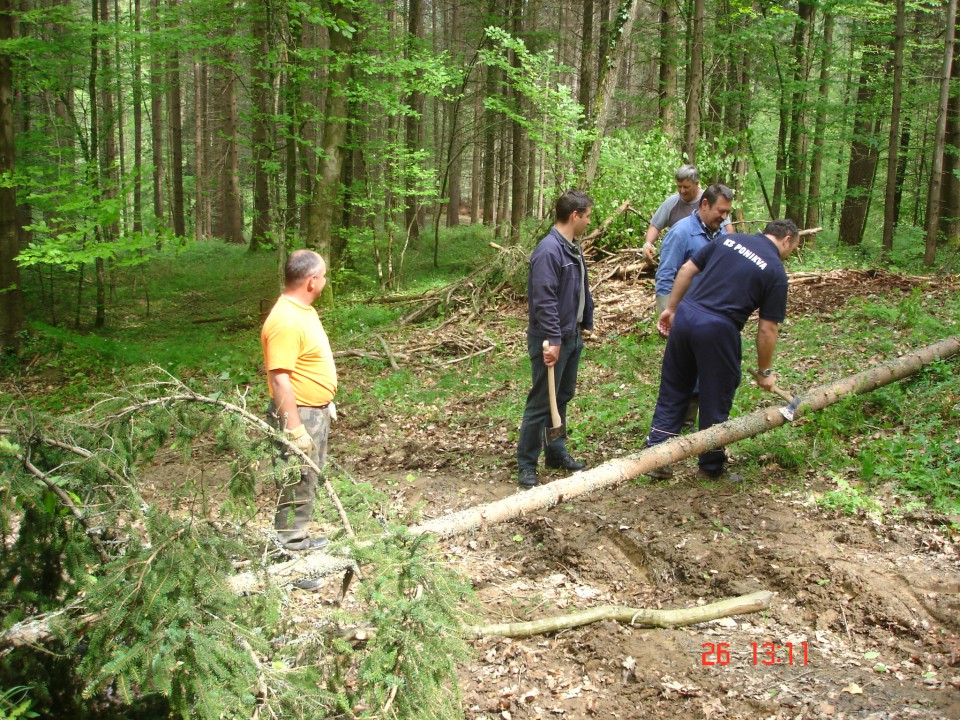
<point>301,440</point>
<point>332,411</point>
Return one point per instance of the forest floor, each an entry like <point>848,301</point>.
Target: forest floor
<point>865,620</point>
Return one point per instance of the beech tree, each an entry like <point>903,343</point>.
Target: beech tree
<point>11,296</point>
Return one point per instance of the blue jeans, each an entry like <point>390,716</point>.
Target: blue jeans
<point>536,414</point>
<point>701,344</point>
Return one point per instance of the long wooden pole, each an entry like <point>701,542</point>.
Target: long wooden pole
<point>616,471</point>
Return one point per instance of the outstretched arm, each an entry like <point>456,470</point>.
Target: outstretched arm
<point>767,333</point>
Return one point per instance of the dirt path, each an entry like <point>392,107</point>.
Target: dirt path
<point>864,622</point>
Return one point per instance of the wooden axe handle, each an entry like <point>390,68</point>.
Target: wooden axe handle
<point>552,389</point>
<point>776,389</point>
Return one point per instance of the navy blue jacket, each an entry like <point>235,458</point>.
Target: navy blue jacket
<point>553,289</point>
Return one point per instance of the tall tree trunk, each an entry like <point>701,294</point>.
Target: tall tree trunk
<point>11,295</point>
<point>518,204</point>
<point>230,214</point>
<point>175,109</point>
<point>740,80</point>
<point>490,151</point>
<point>902,157</point>
<point>863,151</point>
<point>820,125</point>
<point>198,160</point>
<point>692,119</point>
<point>262,150</point>
<point>795,155</point>
<point>476,164</point>
<point>109,181</point>
<point>322,210</point>
<point>950,192</point>
<point>120,176</point>
<point>893,140</point>
<point>503,184</point>
<point>586,61</point>
<point>936,170</point>
<point>137,122</point>
<point>454,164</point>
<point>617,43</point>
<point>667,84</point>
<point>413,123</point>
<point>156,119</point>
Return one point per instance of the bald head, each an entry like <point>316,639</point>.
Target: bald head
<point>302,264</point>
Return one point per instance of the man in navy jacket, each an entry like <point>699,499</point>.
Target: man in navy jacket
<point>560,306</point>
<point>741,274</point>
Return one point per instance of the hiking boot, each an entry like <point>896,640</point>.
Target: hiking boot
<point>723,476</point>
<point>566,463</point>
<point>661,473</point>
<point>527,478</point>
<point>309,543</point>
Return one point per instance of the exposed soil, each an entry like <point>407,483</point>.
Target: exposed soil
<point>869,608</point>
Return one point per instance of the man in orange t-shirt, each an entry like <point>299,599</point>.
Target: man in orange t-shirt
<point>302,379</point>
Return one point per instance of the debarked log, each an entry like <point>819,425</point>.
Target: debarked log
<point>619,470</point>
<point>638,617</point>
<point>616,471</point>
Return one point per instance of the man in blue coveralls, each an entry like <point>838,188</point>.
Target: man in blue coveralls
<point>738,274</point>
<point>560,306</point>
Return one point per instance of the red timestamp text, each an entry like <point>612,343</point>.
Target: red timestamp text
<point>767,653</point>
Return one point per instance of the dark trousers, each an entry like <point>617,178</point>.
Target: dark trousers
<point>536,414</point>
<point>700,344</point>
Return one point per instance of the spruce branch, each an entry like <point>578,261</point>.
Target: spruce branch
<point>186,395</point>
<point>68,503</point>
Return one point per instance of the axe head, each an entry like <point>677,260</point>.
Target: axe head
<point>555,433</point>
<point>790,410</point>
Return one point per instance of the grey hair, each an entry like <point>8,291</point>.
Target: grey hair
<point>687,172</point>
<point>300,265</point>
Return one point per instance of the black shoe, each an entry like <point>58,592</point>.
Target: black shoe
<point>566,463</point>
<point>724,475</point>
<point>310,543</point>
<point>527,478</point>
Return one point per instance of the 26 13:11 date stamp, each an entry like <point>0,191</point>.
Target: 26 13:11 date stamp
<point>762,653</point>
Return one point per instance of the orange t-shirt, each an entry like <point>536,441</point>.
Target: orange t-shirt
<point>294,340</point>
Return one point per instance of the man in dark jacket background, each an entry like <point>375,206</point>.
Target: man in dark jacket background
<point>560,306</point>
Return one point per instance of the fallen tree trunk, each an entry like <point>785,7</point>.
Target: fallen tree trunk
<point>616,471</point>
<point>679,448</point>
<point>638,617</point>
